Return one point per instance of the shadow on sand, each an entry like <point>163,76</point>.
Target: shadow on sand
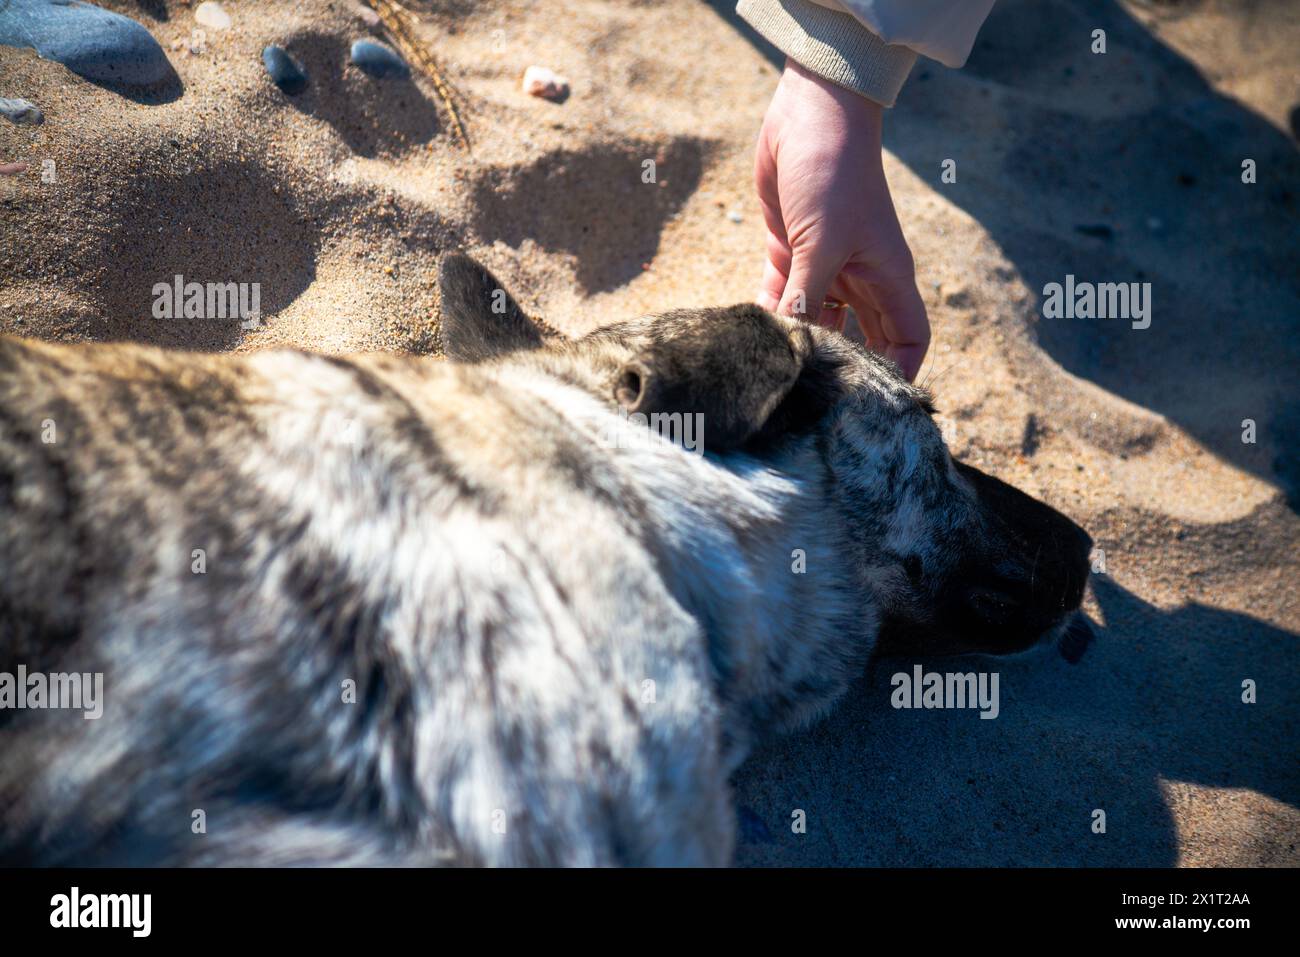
<point>1127,167</point>
<point>1158,698</point>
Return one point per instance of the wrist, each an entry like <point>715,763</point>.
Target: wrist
<point>859,116</point>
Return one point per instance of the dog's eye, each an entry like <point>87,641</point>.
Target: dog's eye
<point>913,567</point>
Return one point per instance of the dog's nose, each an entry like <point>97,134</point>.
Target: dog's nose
<point>1083,541</point>
<point>1081,550</point>
<point>1054,551</point>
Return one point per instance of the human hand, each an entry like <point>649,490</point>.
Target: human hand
<point>831,226</point>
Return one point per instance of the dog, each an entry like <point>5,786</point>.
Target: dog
<point>481,610</point>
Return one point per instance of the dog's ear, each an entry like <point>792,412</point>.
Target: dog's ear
<point>733,366</point>
<point>480,319</point>
<point>820,386</point>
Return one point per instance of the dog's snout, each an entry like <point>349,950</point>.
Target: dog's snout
<point>1083,558</point>
<point>1019,573</point>
<point>1082,540</point>
<point>1073,548</point>
<point>1051,552</point>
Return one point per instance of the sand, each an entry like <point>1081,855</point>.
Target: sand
<point>339,201</point>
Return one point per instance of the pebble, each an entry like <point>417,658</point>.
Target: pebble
<point>734,216</point>
<point>378,60</point>
<point>211,14</point>
<point>284,70</point>
<point>12,169</point>
<point>22,112</point>
<point>549,85</point>
<point>88,40</point>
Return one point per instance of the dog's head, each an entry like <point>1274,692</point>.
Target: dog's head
<point>958,561</point>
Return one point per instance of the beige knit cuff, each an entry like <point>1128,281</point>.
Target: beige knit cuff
<point>833,45</point>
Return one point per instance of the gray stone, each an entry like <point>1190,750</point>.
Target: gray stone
<point>284,70</point>
<point>378,60</point>
<point>88,40</point>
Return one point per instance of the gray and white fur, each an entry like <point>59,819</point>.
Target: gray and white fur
<point>564,631</point>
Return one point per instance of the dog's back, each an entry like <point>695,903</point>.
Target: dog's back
<point>333,601</point>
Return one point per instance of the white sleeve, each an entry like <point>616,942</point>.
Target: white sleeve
<point>943,30</point>
<point>868,46</point>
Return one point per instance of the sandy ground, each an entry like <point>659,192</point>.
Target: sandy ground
<point>339,201</point>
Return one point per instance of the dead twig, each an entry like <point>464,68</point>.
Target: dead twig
<point>400,23</point>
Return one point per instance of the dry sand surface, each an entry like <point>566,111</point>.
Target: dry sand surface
<point>339,200</point>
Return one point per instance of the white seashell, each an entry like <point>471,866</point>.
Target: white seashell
<point>211,14</point>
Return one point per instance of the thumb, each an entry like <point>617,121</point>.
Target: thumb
<point>811,273</point>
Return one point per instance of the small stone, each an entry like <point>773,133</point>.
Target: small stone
<point>88,40</point>
<point>378,60</point>
<point>734,216</point>
<point>549,85</point>
<point>12,169</point>
<point>284,70</point>
<point>22,112</point>
<point>212,14</point>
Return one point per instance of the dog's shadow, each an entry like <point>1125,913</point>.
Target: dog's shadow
<point>1157,700</point>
